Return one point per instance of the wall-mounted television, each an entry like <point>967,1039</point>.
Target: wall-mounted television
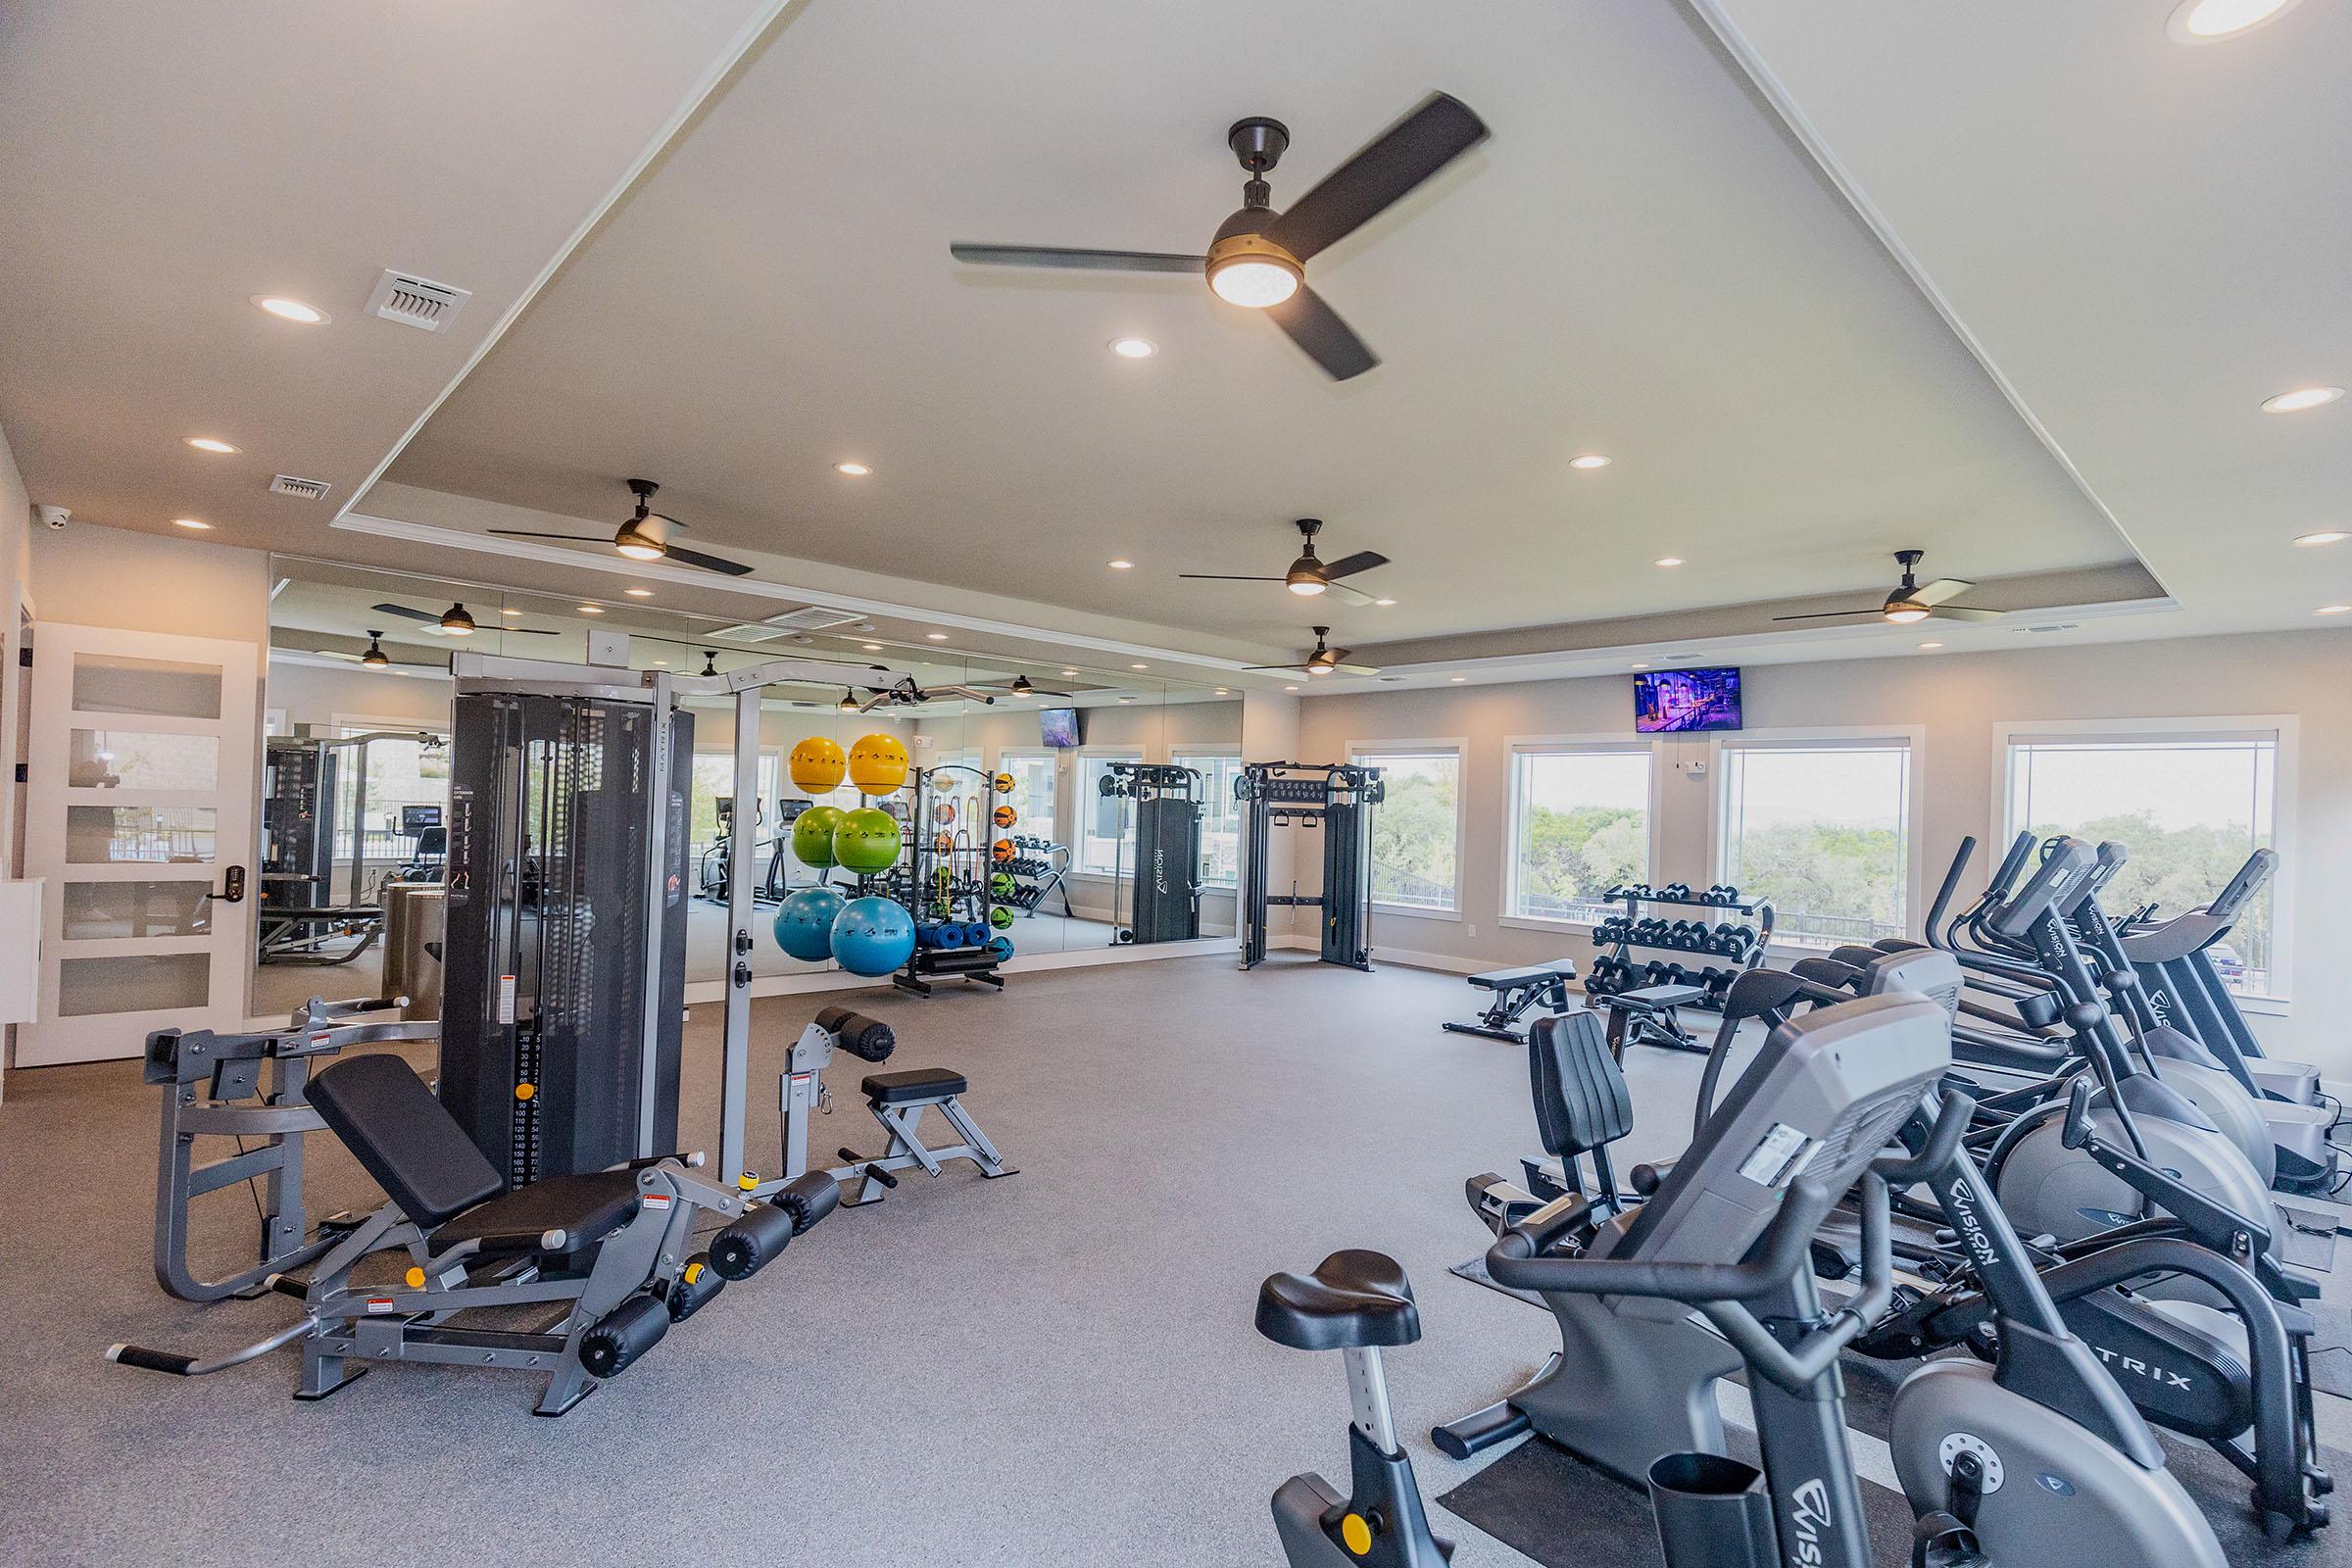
<point>1059,727</point>
<point>1672,701</point>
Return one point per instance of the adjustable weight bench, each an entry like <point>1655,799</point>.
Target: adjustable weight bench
<point>897,1101</point>
<point>1648,1018</point>
<point>1515,991</point>
<point>611,1251</point>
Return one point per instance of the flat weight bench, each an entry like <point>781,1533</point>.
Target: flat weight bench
<point>1515,991</point>
<point>1647,1017</point>
<point>896,1100</point>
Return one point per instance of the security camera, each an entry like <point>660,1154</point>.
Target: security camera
<point>53,517</point>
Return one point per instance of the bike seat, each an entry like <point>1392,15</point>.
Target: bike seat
<point>1352,1300</point>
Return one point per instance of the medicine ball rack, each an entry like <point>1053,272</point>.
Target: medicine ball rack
<point>1650,1019</point>
<point>1339,797</point>
<point>968,872</point>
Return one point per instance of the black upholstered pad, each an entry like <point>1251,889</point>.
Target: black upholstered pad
<point>1653,998</point>
<point>586,1208</point>
<point>403,1137</point>
<point>916,1083</point>
<point>1581,1099</point>
<point>1352,1299</point>
<point>1539,974</point>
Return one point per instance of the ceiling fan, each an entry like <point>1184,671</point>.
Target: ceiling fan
<point>454,620</point>
<point>1914,601</point>
<point>374,655</point>
<point>1325,660</point>
<point>644,536</point>
<point>1308,575</point>
<point>1257,258</point>
<point>1019,686</point>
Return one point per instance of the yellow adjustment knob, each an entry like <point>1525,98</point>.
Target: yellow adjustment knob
<point>1356,1534</point>
<point>748,1182</point>
<point>416,1278</point>
<point>525,1091</point>
<point>694,1272</point>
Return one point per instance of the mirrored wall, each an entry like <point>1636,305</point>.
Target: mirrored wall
<point>1093,803</point>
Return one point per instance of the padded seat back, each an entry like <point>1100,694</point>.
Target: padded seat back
<point>1581,1099</point>
<point>403,1137</point>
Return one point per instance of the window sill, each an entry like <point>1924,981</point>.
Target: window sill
<point>1540,922</point>
<point>2266,1007</point>
<point>1415,913</point>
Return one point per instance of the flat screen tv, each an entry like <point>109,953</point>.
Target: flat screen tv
<point>1670,701</point>
<point>1059,727</point>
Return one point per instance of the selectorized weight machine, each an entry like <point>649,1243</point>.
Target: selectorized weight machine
<point>1339,797</point>
<point>1164,806</point>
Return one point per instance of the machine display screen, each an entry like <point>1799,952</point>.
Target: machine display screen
<point>415,819</point>
<point>1670,701</point>
<point>1059,725</point>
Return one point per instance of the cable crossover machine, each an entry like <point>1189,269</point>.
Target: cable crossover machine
<point>1339,797</point>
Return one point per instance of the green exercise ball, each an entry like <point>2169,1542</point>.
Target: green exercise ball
<point>866,840</point>
<point>813,836</point>
<point>1000,917</point>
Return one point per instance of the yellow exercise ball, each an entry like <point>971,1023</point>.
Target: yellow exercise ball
<point>817,764</point>
<point>878,765</point>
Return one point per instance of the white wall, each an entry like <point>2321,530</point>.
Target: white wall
<point>16,573</point>
<point>1959,701</point>
<point>311,695</point>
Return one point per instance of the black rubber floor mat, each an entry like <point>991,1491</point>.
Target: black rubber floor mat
<point>2332,1372</point>
<point>2213,1483</point>
<point>1544,1501</point>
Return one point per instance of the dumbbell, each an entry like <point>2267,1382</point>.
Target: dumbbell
<point>1675,889</point>
<point>1719,985</point>
<point>1741,938</point>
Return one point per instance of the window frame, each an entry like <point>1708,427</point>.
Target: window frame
<point>1178,757</point>
<point>1514,747</point>
<point>2279,1001</point>
<point>1081,801</point>
<point>1368,754</point>
<point>345,727</point>
<point>1827,738</point>
<point>1024,825</point>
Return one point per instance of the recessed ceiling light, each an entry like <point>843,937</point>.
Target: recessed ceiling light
<point>871,648</point>
<point>1139,667</point>
<point>1222,692</point>
<point>2334,609</point>
<point>2326,536</point>
<point>592,610</point>
<point>286,310</point>
<point>1133,348</point>
<point>2211,21</point>
<point>1069,673</point>
<point>661,662</point>
<point>190,522</point>
<point>937,636</point>
<point>1640,665</point>
<point>1591,459</point>
<point>1126,699</point>
<point>208,443</point>
<point>509,612</point>
<point>1667,560</point>
<point>2301,398</point>
<point>638,593</point>
<point>1122,565</point>
<point>1290,688</point>
<point>1458,679</point>
<point>855,470</point>
<point>1384,603</point>
<point>1931,645</point>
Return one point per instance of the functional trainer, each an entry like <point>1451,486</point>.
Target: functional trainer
<point>1163,810</point>
<point>1339,797</point>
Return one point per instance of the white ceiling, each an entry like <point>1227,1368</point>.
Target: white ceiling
<point>1639,262</point>
<point>2005,281</point>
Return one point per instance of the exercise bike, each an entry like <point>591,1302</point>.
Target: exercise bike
<point>1998,1462</point>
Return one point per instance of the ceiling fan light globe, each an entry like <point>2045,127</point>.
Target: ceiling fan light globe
<point>375,658</point>
<point>1306,586</point>
<point>1249,270</point>
<point>640,550</point>
<point>455,623</point>
<point>1904,612</point>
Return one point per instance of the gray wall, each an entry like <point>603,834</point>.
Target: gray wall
<point>1959,700</point>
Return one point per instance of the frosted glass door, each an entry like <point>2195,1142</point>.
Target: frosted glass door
<point>139,806</point>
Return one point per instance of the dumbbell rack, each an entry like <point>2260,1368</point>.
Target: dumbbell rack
<point>1621,950</point>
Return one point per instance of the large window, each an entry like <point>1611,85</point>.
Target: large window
<point>715,780</point>
<point>1099,819</point>
<point>1220,820</point>
<point>1032,796</point>
<point>2191,802</point>
<point>1580,826</point>
<point>405,769</point>
<point>1822,829</point>
<point>1417,829</point>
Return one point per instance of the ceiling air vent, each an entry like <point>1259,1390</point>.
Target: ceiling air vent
<point>287,484</point>
<point>416,301</point>
<point>749,632</point>
<point>812,617</point>
<point>2032,631</point>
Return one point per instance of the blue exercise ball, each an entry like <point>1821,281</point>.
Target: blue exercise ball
<point>805,923</point>
<point>873,936</point>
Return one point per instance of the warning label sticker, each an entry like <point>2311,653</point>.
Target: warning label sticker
<point>1779,1157</point>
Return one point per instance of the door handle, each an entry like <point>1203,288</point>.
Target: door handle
<point>233,886</point>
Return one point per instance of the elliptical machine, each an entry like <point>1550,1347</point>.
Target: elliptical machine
<point>1997,1461</point>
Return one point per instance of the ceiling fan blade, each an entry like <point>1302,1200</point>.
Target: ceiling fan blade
<point>1076,260</point>
<point>1278,669</point>
<point>1219,576</point>
<point>1329,341</point>
<point>1359,670</point>
<point>522,631</point>
<point>1382,173</point>
<point>576,538</point>
<point>1347,595</point>
<point>1832,615</point>
<point>1961,612</point>
<point>410,614</point>
<point>1350,566</point>
<point>695,558</point>
<point>1936,592</point>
